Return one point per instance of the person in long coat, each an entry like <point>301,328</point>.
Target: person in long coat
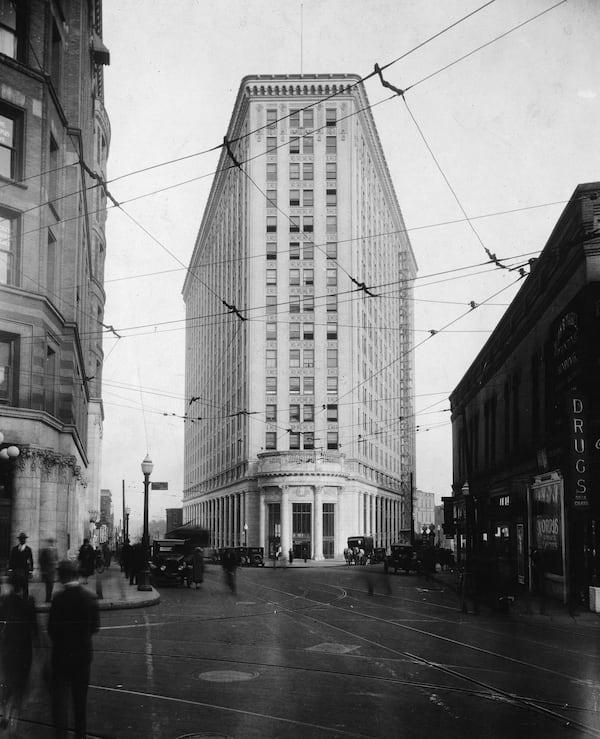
<point>48,560</point>
<point>18,618</point>
<point>20,564</point>
<point>73,619</point>
<point>87,559</point>
<point>198,566</point>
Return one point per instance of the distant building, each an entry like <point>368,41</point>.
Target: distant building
<point>174,518</point>
<point>424,511</point>
<point>300,328</point>
<point>526,420</point>
<point>54,140</point>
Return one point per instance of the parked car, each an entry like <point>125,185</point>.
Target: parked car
<point>402,557</point>
<point>251,556</point>
<point>170,561</point>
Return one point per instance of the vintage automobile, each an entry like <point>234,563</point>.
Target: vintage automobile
<point>356,544</point>
<point>171,561</point>
<point>402,557</point>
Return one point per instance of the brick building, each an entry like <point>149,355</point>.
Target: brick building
<point>54,133</point>
<point>298,378</point>
<point>526,421</point>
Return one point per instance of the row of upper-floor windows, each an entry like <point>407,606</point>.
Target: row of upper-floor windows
<point>301,118</point>
<point>300,358</point>
<point>299,440</point>
<point>302,250</point>
<point>303,198</point>
<point>301,413</point>
<point>304,145</point>
<point>302,331</point>
<point>306,384</point>
<point>306,224</point>
<point>300,304</point>
<point>303,277</point>
<point>302,171</point>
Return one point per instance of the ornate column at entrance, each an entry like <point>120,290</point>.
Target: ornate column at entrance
<point>318,523</point>
<point>286,520</point>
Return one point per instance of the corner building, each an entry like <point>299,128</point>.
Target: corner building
<point>54,133</point>
<point>298,302</point>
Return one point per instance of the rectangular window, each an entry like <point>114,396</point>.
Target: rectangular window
<point>11,130</point>
<point>308,331</point>
<point>309,385</point>
<point>294,198</point>
<point>332,439</point>
<point>8,28</point>
<point>271,440</point>
<point>331,226</point>
<point>294,224</point>
<point>50,381</point>
<point>271,277</point>
<point>294,118</point>
<point>51,266</point>
<point>271,330</point>
<point>294,277</point>
<point>294,250</point>
<point>331,277</point>
<point>331,198</point>
<point>332,413</point>
<point>308,118</point>
<point>9,357</point>
<point>331,250</point>
<point>331,301</point>
<point>271,198</point>
<point>8,247</point>
<point>332,385</point>
<point>271,385</point>
<point>294,171</point>
<point>271,172</point>
<point>294,358</point>
<point>309,440</point>
<point>308,145</point>
<point>308,360</point>
<point>307,171</point>
<point>309,276</point>
<point>294,440</point>
<point>330,145</point>
<point>308,224</point>
<point>271,144</point>
<point>294,304</point>
<point>332,358</point>
<point>271,358</point>
<point>271,224</point>
<point>330,117</point>
<point>271,304</point>
<point>328,521</point>
<point>271,250</point>
<point>294,385</point>
<point>331,171</point>
<point>308,411</point>
<point>332,330</point>
<point>271,118</point>
<point>295,145</point>
<point>309,304</point>
<point>294,331</point>
<point>294,414</point>
<point>271,413</point>
<point>308,198</point>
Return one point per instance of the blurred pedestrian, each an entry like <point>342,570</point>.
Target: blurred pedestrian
<point>229,564</point>
<point>198,566</point>
<point>19,627</point>
<point>136,563</point>
<point>126,557</point>
<point>20,566</point>
<point>87,560</point>
<point>48,560</point>
<point>291,556</point>
<point>73,619</point>
<point>304,554</point>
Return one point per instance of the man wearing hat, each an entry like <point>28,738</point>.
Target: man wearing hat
<point>20,566</point>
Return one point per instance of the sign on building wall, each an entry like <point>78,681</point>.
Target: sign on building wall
<point>547,522</point>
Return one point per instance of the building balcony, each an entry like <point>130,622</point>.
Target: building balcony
<point>306,462</point>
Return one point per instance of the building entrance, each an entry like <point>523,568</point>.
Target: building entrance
<point>301,530</point>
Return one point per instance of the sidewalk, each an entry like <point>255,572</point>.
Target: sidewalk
<point>112,589</point>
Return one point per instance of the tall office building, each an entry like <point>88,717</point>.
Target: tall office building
<point>54,133</point>
<point>299,328</point>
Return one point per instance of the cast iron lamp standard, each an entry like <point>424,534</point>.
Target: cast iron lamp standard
<point>144,575</point>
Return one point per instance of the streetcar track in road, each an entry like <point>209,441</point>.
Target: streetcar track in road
<point>513,699</point>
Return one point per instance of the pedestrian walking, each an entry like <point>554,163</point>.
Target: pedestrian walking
<point>198,566</point>
<point>229,564</point>
<point>305,554</point>
<point>20,566</point>
<point>291,556</point>
<point>73,619</point>
<point>126,557</point>
<point>48,560</point>
<point>19,628</point>
<point>136,563</point>
<point>86,559</point>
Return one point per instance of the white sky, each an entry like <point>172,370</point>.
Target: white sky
<point>513,126</point>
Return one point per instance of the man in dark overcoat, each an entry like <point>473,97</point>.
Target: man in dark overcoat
<point>20,565</point>
<point>73,619</point>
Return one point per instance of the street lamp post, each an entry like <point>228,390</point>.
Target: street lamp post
<point>245,534</point>
<point>144,575</point>
<point>126,530</point>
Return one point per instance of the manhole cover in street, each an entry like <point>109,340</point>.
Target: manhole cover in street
<point>333,648</point>
<point>226,676</point>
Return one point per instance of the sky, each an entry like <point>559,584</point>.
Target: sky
<point>484,149</point>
